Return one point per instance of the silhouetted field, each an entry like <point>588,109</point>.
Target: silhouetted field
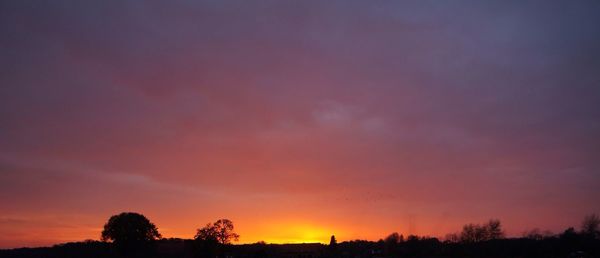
<point>558,246</point>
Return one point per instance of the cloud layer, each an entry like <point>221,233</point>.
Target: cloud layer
<point>351,117</point>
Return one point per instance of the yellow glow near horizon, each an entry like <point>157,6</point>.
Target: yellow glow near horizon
<point>282,233</point>
<point>302,234</point>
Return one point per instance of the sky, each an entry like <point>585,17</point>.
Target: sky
<point>297,120</point>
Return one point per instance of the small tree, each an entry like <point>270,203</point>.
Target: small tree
<point>392,238</point>
<point>391,242</point>
<point>590,225</point>
<point>332,242</point>
<point>332,248</point>
<point>452,238</point>
<point>534,234</point>
<point>493,230</point>
<point>469,233</point>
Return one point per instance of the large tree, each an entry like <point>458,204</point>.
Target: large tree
<point>129,231</point>
<point>213,238</point>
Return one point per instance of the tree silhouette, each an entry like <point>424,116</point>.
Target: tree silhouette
<point>590,225</point>
<point>470,233</point>
<point>220,231</point>
<point>452,238</point>
<point>392,238</point>
<point>391,242</point>
<point>473,233</point>
<point>333,247</point>
<point>210,239</point>
<point>494,230</point>
<point>332,242</point>
<point>533,234</point>
<point>129,231</point>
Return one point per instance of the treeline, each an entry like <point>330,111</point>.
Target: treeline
<point>489,240</point>
<point>133,235</point>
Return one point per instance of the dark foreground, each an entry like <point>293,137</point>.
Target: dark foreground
<point>420,247</point>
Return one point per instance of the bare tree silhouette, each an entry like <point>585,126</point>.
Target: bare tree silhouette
<point>494,230</point>
<point>473,233</point>
<point>590,225</point>
<point>452,238</point>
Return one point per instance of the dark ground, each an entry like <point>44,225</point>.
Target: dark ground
<point>560,246</point>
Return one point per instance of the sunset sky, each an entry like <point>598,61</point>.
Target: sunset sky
<point>297,119</point>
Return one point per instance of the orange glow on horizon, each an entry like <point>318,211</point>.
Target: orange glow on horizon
<point>295,232</point>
